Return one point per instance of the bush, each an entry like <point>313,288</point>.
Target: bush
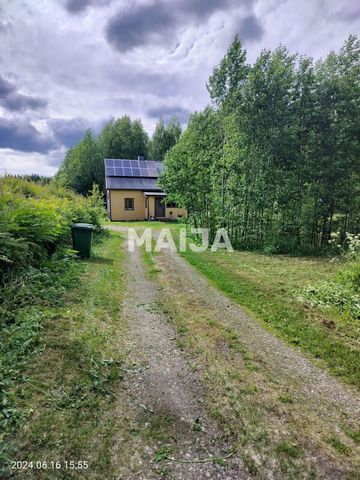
<point>35,220</point>
<point>335,295</point>
<point>36,269</point>
<point>342,293</point>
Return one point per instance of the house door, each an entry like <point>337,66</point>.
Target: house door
<point>159,208</point>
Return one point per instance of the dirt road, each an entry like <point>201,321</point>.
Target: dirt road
<point>196,407</point>
<point>164,397</point>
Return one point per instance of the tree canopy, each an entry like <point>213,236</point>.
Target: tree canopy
<point>121,138</point>
<point>276,159</point>
<point>164,138</point>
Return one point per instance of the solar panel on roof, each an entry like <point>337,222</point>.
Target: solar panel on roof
<point>132,168</point>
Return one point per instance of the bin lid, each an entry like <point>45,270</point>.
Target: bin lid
<point>84,226</point>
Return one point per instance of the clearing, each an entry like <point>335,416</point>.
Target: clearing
<point>150,369</point>
<point>212,394</point>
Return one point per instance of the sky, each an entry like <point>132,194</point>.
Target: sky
<point>70,65</point>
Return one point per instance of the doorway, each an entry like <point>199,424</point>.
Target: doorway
<point>159,208</point>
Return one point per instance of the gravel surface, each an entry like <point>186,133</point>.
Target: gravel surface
<point>160,385</point>
<point>288,365</point>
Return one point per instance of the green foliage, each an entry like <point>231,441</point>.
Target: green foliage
<point>164,138</point>
<point>24,308</point>
<point>191,167</point>
<point>227,80</point>
<point>35,220</point>
<point>266,284</point>
<point>276,161</point>
<point>339,446</point>
<point>333,295</point>
<point>163,453</point>
<point>291,450</point>
<point>341,294</point>
<point>123,138</point>
<point>36,268</point>
<point>59,357</point>
<point>83,166</point>
<point>35,178</point>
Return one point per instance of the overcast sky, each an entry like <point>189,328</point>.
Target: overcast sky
<point>67,65</point>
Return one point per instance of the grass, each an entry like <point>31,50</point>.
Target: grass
<point>288,449</point>
<point>339,446</point>
<point>149,260</point>
<point>69,385</point>
<point>142,224</point>
<point>274,432</point>
<point>266,286</point>
<point>239,399</point>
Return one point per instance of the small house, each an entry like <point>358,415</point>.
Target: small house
<point>133,192</point>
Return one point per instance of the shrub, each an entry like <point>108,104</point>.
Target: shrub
<point>35,220</point>
<point>342,293</point>
<point>335,295</point>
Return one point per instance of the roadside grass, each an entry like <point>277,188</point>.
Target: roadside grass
<point>68,387</point>
<point>267,286</point>
<point>149,260</point>
<point>274,434</point>
<point>142,224</point>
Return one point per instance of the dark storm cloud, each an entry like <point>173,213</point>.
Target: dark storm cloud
<point>250,28</point>
<point>5,88</point>
<point>77,6</point>
<point>153,23</point>
<point>139,26</point>
<point>205,8</point>
<point>69,132</point>
<point>167,112</point>
<point>23,136</point>
<point>11,100</point>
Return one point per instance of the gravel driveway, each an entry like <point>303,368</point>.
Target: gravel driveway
<point>162,388</point>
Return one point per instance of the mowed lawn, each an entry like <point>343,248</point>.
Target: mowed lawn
<point>268,287</point>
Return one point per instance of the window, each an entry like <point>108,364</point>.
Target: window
<point>171,205</point>
<point>129,204</point>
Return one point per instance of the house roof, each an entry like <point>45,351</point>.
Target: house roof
<point>132,183</point>
<point>122,174</point>
<point>155,194</point>
<point>132,168</point>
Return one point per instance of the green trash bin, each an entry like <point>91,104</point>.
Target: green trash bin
<point>82,234</point>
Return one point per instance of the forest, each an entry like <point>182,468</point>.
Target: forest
<point>275,160</point>
<point>121,138</point>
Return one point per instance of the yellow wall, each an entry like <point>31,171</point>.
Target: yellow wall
<point>118,212</point>
<point>176,212</point>
<point>151,207</point>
